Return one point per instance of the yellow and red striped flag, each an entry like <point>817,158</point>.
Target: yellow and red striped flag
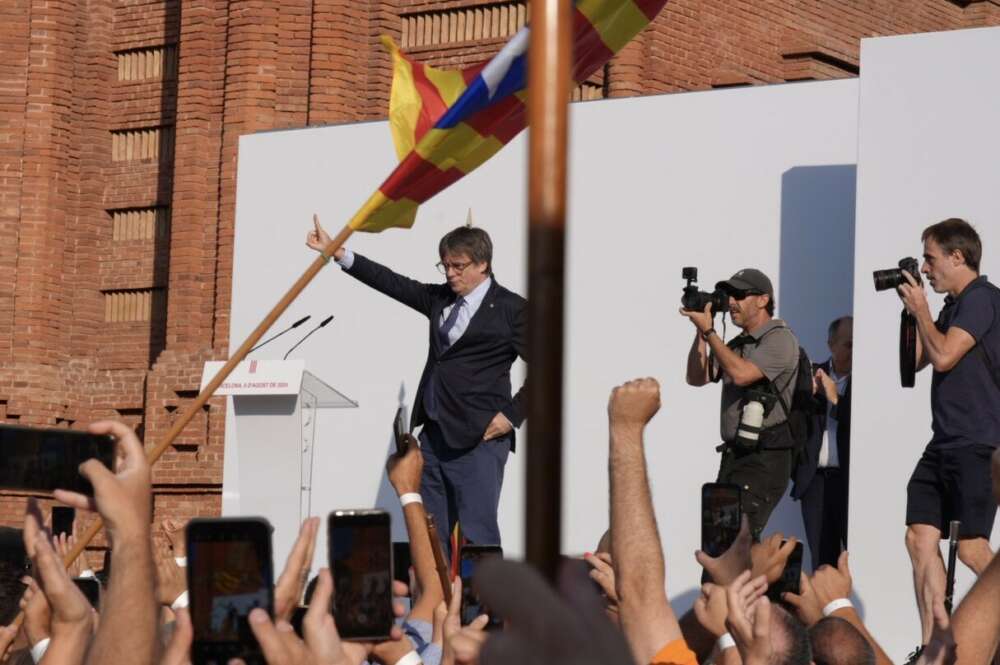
<point>447,123</point>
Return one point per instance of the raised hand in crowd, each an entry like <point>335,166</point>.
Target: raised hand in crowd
<point>806,603</point>
<point>178,650</point>
<point>603,572</point>
<point>404,472</point>
<point>722,570</point>
<point>647,619</point>
<point>827,585</point>
<point>462,644</point>
<point>129,612</point>
<point>173,531</point>
<point>63,543</point>
<point>712,609</point>
<point>58,618</point>
<point>546,627</point>
<point>322,644</point>
<point>749,620</point>
<point>729,565</point>
<point>171,580</point>
<point>770,556</point>
<point>292,581</point>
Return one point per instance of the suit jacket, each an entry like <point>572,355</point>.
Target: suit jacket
<point>809,462</point>
<point>473,374</point>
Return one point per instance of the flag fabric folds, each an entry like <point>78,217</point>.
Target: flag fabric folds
<point>445,123</point>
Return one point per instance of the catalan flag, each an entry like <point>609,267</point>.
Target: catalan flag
<point>446,123</point>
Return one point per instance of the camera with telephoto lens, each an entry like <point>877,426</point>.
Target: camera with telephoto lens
<point>890,279</point>
<point>695,300</point>
<point>757,406</point>
<point>893,277</point>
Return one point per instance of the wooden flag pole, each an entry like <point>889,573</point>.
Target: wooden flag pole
<point>154,454</point>
<point>549,82</point>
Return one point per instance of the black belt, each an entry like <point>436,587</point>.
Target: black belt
<point>829,470</point>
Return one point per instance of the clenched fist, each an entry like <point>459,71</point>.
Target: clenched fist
<point>634,404</point>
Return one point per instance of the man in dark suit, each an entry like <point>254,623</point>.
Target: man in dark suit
<point>464,402</point>
<point>822,476</point>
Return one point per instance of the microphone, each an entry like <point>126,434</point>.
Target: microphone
<point>321,324</point>
<point>274,337</point>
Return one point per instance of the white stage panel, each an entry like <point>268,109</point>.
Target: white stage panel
<point>928,146</point>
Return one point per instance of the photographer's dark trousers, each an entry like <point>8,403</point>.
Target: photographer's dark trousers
<point>763,475</point>
<point>463,485</point>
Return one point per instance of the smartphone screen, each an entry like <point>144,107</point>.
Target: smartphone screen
<point>401,562</point>
<point>14,565</point>
<point>91,589</point>
<point>790,576</point>
<point>361,561</point>
<point>43,460</point>
<point>469,560</point>
<point>720,517</point>
<point>62,520</point>
<point>400,430</point>
<point>229,574</point>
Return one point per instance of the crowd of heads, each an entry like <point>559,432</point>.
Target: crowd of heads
<point>615,609</point>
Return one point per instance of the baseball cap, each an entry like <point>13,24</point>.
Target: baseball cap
<point>748,279</point>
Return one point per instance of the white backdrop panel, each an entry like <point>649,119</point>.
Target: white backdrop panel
<point>928,146</point>
<point>721,180</point>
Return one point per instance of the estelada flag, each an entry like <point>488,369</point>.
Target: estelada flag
<point>447,123</point>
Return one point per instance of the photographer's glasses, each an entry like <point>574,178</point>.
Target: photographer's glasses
<point>740,294</point>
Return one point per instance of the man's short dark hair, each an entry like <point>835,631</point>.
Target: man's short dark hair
<point>957,235</point>
<point>835,324</point>
<point>471,241</point>
<point>770,305</point>
<point>794,638</point>
<point>836,642</point>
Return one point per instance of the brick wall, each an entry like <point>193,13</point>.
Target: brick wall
<point>119,136</point>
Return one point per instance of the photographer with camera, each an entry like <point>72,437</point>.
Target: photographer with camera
<point>952,479</point>
<point>758,370</point>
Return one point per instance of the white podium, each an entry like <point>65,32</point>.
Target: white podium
<point>268,463</point>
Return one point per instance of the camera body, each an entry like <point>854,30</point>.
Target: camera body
<point>695,300</point>
<point>893,277</point>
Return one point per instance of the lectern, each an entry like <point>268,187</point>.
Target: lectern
<point>268,463</point>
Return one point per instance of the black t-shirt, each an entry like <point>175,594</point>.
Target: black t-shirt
<point>965,401</point>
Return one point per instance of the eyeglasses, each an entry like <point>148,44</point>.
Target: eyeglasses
<point>443,267</point>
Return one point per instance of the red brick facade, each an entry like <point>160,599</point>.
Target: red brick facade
<point>119,126</point>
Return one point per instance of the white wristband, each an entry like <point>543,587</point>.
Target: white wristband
<point>405,500</point>
<point>724,642</point>
<point>182,561</point>
<point>412,658</point>
<point>38,651</point>
<point>835,605</point>
<point>86,573</point>
<point>181,602</point>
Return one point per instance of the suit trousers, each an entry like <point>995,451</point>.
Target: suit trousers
<point>824,513</point>
<point>463,485</point>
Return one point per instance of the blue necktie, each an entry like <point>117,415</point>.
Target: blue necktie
<point>449,323</point>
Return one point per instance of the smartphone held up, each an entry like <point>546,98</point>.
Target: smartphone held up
<point>360,551</point>
<point>42,460</point>
<point>230,574</point>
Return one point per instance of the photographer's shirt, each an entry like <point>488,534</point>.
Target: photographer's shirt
<point>965,401</point>
<point>776,355</point>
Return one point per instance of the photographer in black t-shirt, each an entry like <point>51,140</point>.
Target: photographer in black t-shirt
<point>952,478</point>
